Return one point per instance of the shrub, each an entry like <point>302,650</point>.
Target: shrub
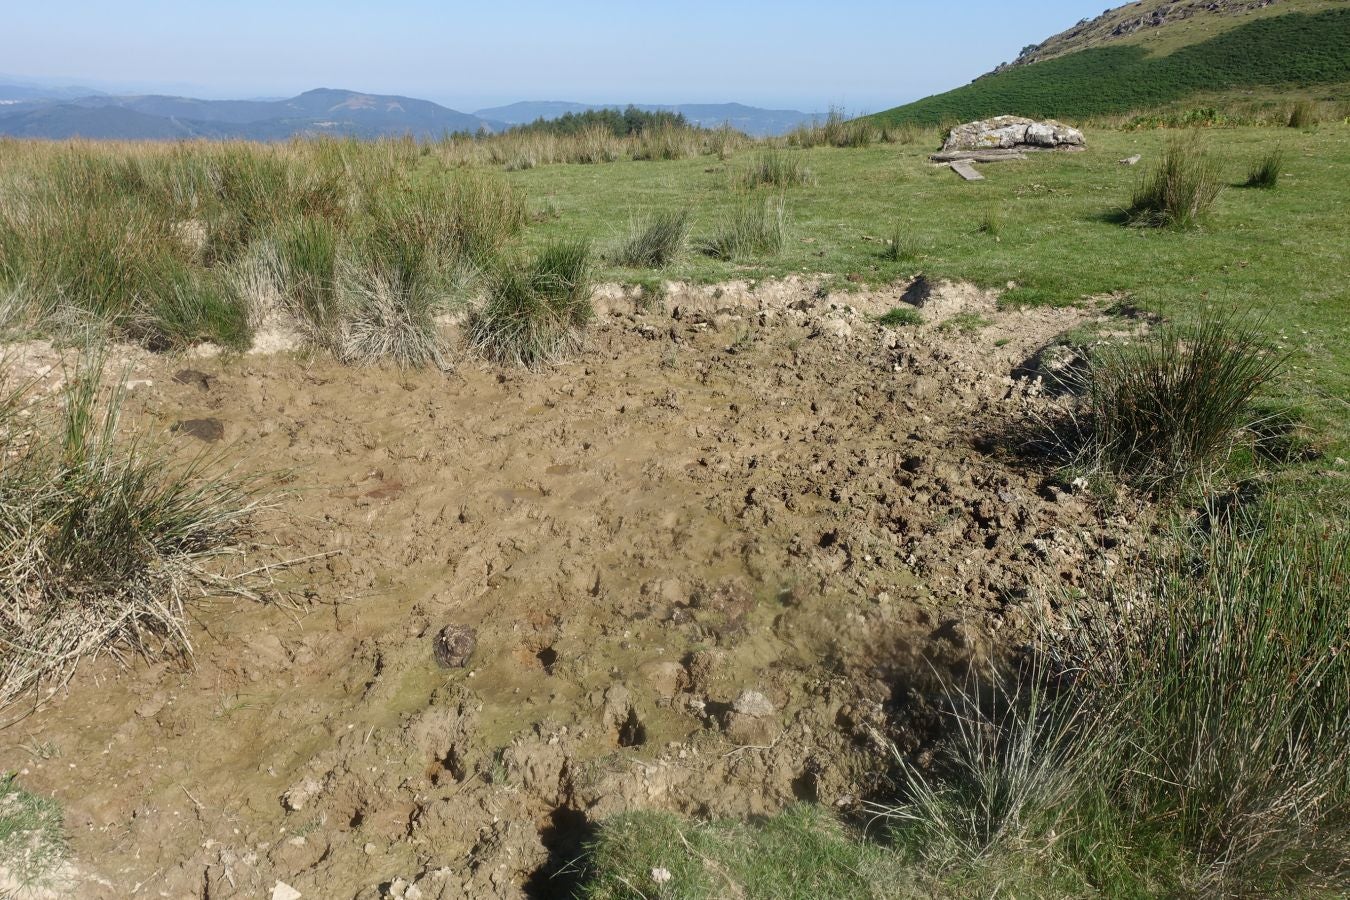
<point>1168,409</point>
<point>1180,190</point>
<point>778,168</point>
<point>103,534</point>
<point>655,241</point>
<point>536,314</point>
<point>754,229</point>
<point>1266,172</point>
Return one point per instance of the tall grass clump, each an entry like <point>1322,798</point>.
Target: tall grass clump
<point>105,535</point>
<point>755,228</point>
<point>655,241</point>
<point>898,246</point>
<point>1266,172</point>
<point>1303,114</point>
<point>536,313</point>
<point>777,168</point>
<point>1167,410</point>
<point>1180,190</point>
<point>1198,746</point>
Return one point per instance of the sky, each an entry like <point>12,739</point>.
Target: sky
<point>860,55</point>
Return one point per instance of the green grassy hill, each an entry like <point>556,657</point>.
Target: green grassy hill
<point>1295,50</point>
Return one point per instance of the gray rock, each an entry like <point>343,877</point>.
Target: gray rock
<point>753,704</point>
<point>1013,132</point>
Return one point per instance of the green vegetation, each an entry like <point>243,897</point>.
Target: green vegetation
<point>1303,115</point>
<point>840,131</point>
<point>103,534</point>
<point>803,853</point>
<point>898,247</point>
<point>1180,190</point>
<point>965,323</point>
<point>1168,410</point>
<point>171,246</point>
<point>32,840</point>
<point>900,316</point>
<point>756,228</point>
<point>656,241</point>
<point>777,168</point>
<point>619,123</point>
<point>1290,49</point>
<point>536,313</point>
<point>1266,172</point>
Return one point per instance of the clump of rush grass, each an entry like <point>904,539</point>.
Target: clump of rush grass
<point>1180,190</point>
<point>1196,747</point>
<point>104,535</point>
<point>537,313</point>
<point>1303,114</point>
<point>755,228</point>
<point>654,241</point>
<point>777,168</point>
<point>1167,410</point>
<point>898,247</point>
<point>991,223</point>
<point>1266,172</point>
<point>388,313</point>
<point>32,840</point>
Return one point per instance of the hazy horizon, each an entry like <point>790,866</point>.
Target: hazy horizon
<point>861,56</point>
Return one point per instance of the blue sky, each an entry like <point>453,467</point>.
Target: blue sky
<point>864,55</point>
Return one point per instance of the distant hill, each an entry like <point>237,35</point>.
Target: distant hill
<point>1115,65</point>
<point>750,119</point>
<point>155,117</point>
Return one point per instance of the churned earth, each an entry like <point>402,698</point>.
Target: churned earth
<point>712,565</point>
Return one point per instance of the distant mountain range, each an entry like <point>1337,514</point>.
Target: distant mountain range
<point>752,120</point>
<point>33,111</point>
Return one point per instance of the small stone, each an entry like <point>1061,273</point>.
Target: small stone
<point>453,645</point>
<point>283,891</point>
<point>298,795</point>
<point>661,875</point>
<point>753,704</point>
<point>208,430</point>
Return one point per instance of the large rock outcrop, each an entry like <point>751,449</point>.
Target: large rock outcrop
<point>1013,133</point>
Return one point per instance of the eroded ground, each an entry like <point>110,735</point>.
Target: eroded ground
<point>708,564</point>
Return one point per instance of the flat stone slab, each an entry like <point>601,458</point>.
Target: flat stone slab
<point>948,156</point>
<point>965,170</point>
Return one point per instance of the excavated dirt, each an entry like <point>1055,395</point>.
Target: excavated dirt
<point>710,566</point>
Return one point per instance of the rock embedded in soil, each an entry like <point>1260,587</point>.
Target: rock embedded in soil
<point>209,430</point>
<point>453,645</point>
<point>1014,132</point>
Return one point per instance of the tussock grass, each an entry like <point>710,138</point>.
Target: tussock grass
<point>172,245</point>
<point>104,536</point>
<point>1266,172</point>
<point>1180,190</point>
<point>389,313</point>
<point>899,247</point>
<point>836,131</point>
<point>1303,114</point>
<point>1168,410</point>
<point>655,240</point>
<point>536,313</point>
<point>777,168</point>
<point>1198,747</point>
<point>991,222</point>
<point>755,228</point>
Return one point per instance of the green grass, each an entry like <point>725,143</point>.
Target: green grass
<point>1266,172</point>
<point>32,839</point>
<point>536,312</point>
<point>1291,49</point>
<point>757,228</point>
<point>655,241</point>
<point>803,853</point>
<point>900,317</point>
<point>776,168</point>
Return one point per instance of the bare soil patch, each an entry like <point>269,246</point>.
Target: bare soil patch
<point>710,565</point>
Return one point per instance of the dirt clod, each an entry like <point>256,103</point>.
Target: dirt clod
<point>453,645</point>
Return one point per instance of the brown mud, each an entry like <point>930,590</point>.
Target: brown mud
<point>710,565</point>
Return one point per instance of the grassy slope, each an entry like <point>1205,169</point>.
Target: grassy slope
<point>1292,49</point>
<point>1282,254</point>
<point>1176,33</point>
